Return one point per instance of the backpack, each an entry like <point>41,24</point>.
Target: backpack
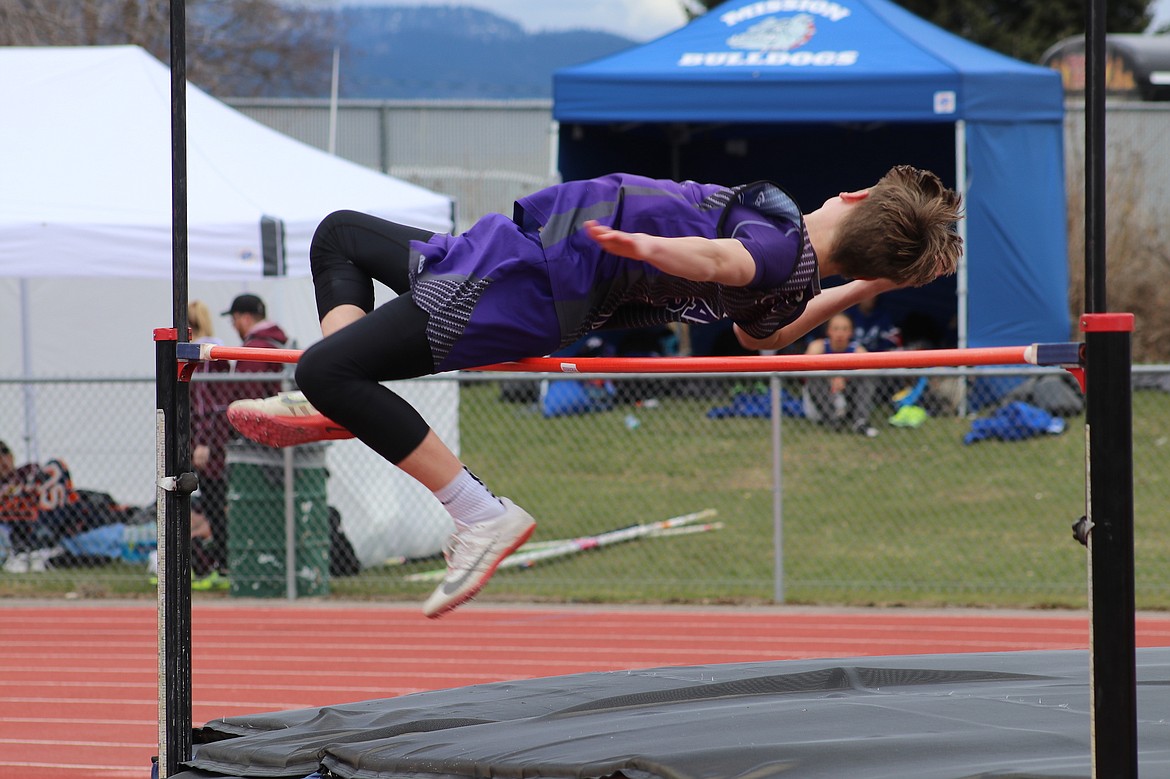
<point>1058,394</point>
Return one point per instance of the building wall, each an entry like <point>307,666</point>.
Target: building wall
<point>487,153</point>
<point>1137,150</point>
<point>484,154</point>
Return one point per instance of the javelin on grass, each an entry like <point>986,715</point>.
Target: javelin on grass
<point>550,550</point>
<point>533,546</point>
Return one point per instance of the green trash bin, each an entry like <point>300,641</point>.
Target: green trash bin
<point>257,542</point>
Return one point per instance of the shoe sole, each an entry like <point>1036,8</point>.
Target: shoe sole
<point>284,431</point>
<point>483,580</point>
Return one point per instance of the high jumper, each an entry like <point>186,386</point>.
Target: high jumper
<point>613,252</point>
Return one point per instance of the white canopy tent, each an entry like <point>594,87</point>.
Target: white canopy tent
<point>86,186</point>
<point>85,265</point>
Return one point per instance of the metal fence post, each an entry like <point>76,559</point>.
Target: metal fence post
<point>777,492</point>
<point>290,528</point>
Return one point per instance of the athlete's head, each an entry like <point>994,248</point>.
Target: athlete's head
<point>903,229</point>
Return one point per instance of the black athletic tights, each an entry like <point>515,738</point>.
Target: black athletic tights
<point>340,374</point>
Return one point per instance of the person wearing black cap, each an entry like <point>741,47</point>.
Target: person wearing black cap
<point>246,303</point>
<point>250,320</point>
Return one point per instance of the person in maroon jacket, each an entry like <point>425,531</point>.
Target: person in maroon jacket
<point>250,321</point>
<point>210,430</point>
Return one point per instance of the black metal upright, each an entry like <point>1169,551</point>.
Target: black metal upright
<point>172,415</point>
<point>1109,439</point>
<point>1109,445</point>
<point>173,456</point>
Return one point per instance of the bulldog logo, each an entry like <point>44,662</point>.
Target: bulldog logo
<point>776,34</point>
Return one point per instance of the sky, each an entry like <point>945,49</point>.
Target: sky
<point>639,20</point>
<point>1161,11</point>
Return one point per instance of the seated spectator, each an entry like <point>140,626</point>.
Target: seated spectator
<point>874,329</point>
<point>873,326</point>
<point>836,401</point>
<point>43,519</point>
<point>35,501</point>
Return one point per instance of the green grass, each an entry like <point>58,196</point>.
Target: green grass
<point>913,517</point>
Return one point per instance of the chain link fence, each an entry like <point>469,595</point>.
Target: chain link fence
<point>645,487</point>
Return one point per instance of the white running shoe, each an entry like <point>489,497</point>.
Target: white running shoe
<point>286,419</point>
<point>473,555</point>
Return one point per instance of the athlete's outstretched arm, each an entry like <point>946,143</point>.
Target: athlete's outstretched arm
<point>818,310</point>
<point>722,260</point>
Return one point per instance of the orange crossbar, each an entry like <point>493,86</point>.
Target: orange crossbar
<point>254,354</point>
<point>924,358</point>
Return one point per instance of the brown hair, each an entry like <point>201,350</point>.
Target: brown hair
<point>904,230</point>
<point>199,318</point>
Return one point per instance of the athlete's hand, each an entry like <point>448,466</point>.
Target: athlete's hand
<point>623,244</point>
<point>721,260</point>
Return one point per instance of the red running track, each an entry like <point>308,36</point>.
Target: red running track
<point>78,680</point>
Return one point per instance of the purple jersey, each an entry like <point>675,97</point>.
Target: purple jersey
<point>527,286</point>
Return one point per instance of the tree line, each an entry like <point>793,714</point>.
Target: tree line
<point>237,48</point>
<point>245,48</point>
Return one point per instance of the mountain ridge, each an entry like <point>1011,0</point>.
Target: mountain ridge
<point>456,52</point>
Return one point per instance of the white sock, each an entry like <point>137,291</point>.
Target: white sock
<point>468,500</point>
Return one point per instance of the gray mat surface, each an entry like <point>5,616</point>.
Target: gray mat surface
<point>1007,715</point>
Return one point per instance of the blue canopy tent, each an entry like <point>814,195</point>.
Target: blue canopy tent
<point>824,96</point>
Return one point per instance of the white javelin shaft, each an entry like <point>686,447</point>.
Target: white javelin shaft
<point>574,545</point>
<point>603,539</point>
